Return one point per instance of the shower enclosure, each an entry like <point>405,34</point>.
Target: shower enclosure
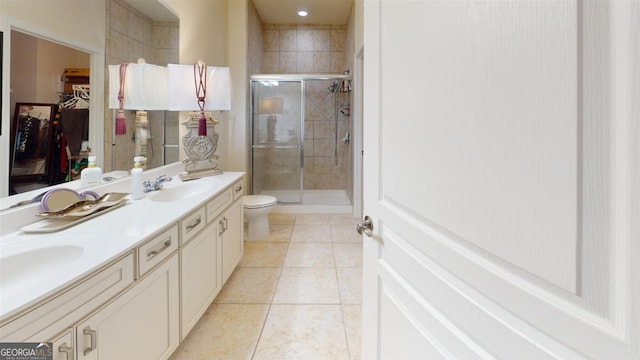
<point>300,134</point>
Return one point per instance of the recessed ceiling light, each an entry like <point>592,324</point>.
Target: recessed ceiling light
<point>303,12</point>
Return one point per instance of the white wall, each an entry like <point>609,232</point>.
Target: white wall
<point>236,142</point>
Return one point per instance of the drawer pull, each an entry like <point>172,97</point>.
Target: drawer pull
<point>64,348</point>
<point>238,188</point>
<point>158,249</point>
<point>221,224</point>
<point>194,224</point>
<point>92,335</point>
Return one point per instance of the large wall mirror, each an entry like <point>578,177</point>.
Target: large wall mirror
<point>43,137</point>
<point>34,62</point>
<point>146,24</point>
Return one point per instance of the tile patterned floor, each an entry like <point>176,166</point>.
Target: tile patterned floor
<point>295,295</point>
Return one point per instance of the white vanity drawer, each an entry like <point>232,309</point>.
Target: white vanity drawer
<point>58,313</point>
<point>219,203</point>
<point>192,224</point>
<point>238,190</point>
<point>156,250</point>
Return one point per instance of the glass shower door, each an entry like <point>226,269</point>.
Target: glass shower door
<point>277,139</point>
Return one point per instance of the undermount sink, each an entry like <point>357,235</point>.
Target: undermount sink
<point>179,191</point>
<point>19,267</point>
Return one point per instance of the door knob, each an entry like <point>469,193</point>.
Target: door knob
<point>365,227</point>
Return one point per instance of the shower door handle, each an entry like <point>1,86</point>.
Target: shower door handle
<point>301,147</point>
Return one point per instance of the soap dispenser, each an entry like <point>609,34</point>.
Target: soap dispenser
<point>91,174</point>
<point>137,191</point>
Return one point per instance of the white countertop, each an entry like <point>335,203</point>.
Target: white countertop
<point>93,243</point>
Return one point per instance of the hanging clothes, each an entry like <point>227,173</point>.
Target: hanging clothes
<point>75,127</point>
<point>26,137</point>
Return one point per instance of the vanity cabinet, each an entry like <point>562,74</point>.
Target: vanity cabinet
<point>230,228</point>
<point>140,324</point>
<point>141,304</point>
<point>192,224</point>
<point>198,276</point>
<point>62,310</point>
<point>208,258</point>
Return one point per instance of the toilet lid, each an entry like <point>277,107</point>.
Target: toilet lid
<point>259,201</point>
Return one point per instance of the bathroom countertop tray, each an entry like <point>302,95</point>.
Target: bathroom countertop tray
<point>75,213</point>
<point>84,208</point>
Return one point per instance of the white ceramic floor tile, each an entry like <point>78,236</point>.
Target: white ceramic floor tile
<point>352,322</point>
<point>309,255</point>
<point>311,233</point>
<point>249,286</point>
<point>278,233</point>
<point>282,218</point>
<point>307,286</point>
<point>312,219</point>
<point>345,233</point>
<point>348,254</point>
<point>344,219</point>
<point>309,332</point>
<point>350,285</point>
<point>225,331</point>
<point>263,254</point>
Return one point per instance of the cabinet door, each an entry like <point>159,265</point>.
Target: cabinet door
<point>141,324</point>
<point>231,239</point>
<point>63,346</point>
<point>198,276</point>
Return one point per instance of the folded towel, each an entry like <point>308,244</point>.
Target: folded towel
<point>75,127</point>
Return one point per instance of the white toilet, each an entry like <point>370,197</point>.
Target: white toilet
<point>256,212</point>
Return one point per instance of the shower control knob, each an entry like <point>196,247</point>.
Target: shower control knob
<point>365,227</point>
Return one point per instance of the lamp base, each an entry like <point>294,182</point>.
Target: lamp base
<point>197,174</point>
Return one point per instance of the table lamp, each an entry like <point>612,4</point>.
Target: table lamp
<point>197,88</point>
<point>137,86</point>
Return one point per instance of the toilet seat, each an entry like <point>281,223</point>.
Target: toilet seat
<point>258,201</point>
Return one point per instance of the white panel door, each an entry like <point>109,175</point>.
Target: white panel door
<point>501,170</point>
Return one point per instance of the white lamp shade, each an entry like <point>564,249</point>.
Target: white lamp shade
<point>182,91</point>
<point>145,87</point>
<point>270,105</point>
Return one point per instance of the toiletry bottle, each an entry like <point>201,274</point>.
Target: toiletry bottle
<point>92,174</point>
<point>136,178</point>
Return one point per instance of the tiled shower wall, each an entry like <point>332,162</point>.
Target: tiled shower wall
<point>291,49</point>
<point>132,35</point>
<point>255,50</point>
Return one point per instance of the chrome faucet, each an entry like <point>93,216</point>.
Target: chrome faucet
<point>156,184</point>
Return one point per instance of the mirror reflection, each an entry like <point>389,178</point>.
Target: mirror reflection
<point>131,34</point>
<point>39,90</point>
<point>31,144</point>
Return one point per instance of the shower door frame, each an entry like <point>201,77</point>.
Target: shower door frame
<point>302,78</point>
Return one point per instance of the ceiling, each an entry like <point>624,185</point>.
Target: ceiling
<point>270,11</point>
<point>320,11</point>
